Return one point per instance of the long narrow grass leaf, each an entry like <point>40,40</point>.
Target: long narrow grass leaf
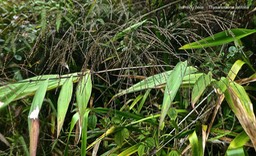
<point>172,86</point>
<point>195,145</point>
<point>63,102</point>
<point>200,86</point>
<point>220,38</point>
<point>241,105</point>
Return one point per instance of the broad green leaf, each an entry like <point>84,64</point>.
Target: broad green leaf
<point>63,102</point>
<point>32,85</point>
<point>129,151</point>
<point>141,150</point>
<point>239,141</point>
<point>241,105</point>
<point>154,81</point>
<point>92,121</point>
<point>221,85</point>
<point>33,121</point>
<point>174,153</point>
<point>83,93</point>
<point>38,100</point>
<point>150,142</point>
<point>84,132</point>
<point>199,87</point>
<point>236,152</point>
<point>220,38</point>
<point>195,145</point>
<point>120,136</point>
<point>173,84</point>
<point>235,69</point>
<point>12,95</point>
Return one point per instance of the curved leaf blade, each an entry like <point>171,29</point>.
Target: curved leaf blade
<point>241,105</point>
<point>63,102</point>
<point>172,86</point>
<point>219,38</point>
<point>199,87</point>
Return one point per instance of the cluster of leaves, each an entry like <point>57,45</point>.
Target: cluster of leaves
<point>80,54</point>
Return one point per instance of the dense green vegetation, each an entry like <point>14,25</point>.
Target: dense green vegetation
<point>149,77</point>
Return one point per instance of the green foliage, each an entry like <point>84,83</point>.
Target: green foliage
<point>109,78</point>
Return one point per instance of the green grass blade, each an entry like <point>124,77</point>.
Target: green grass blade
<point>199,87</point>
<point>74,120</point>
<point>235,69</point>
<point>83,94</point>
<point>239,141</point>
<point>153,81</point>
<point>236,152</point>
<point>7,98</point>
<point>172,86</point>
<point>58,20</point>
<point>107,133</point>
<point>219,38</point>
<point>129,151</point>
<point>33,121</point>
<point>84,132</point>
<point>32,85</point>
<point>38,100</point>
<point>63,102</point>
<point>195,145</point>
<point>128,30</point>
<point>143,101</point>
<point>241,105</point>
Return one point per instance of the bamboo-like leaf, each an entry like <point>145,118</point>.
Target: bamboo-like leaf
<point>236,152</point>
<point>235,69</point>
<point>143,100</point>
<point>33,120</point>
<point>195,145</point>
<point>63,102</point>
<point>107,133</point>
<point>241,105</point>
<point>13,93</point>
<point>135,101</point>
<point>83,94</point>
<point>31,85</point>
<point>38,100</point>
<point>200,86</point>
<point>220,38</point>
<point>129,151</point>
<point>127,30</point>
<point>155,81</point>
<point>84,132</point>
<point>172,86</point>
<point>237,144</point>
